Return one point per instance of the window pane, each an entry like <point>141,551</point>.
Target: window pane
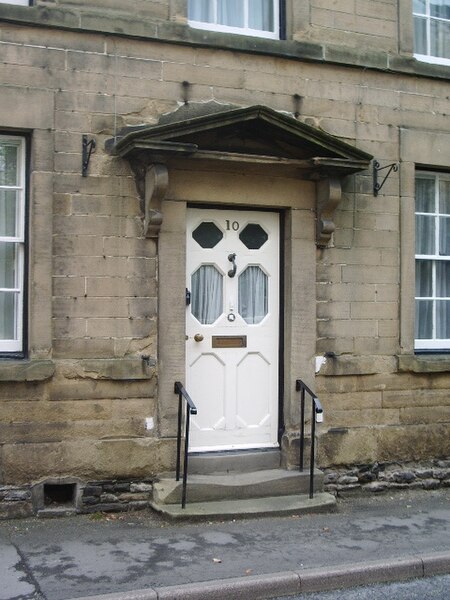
<point>8,164</point>
<point>8,301</point>
<point>201,10</point>
<point>7,265</point>
<point>207,294</point>
<point>230,12</point>
<point>440,8</point>
<point>424,319</point>
<point>419,6</point>
<point>253,295</point>
<point>444,236</point>
<point>8,213</point>
<point>443,319</point>
<point>440,38</point>
<point>420,35</point>
<point>424,281</point>
<point>444,196</point>
<point>443,279</point>
<point>425,235</point>
<point>260,15</point>
<point>425,192</point>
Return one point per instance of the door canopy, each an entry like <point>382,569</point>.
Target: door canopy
<point>256,135</point>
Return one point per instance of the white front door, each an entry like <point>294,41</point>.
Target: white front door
<point>232,327</point>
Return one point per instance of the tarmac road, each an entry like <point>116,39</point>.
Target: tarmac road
<point>72,557</point>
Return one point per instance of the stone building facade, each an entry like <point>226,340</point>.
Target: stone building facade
<point>191,110</point>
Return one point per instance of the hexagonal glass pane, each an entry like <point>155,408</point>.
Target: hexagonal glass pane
<point>207,234</point>
<point>253,295</point>
<point>207,294</point>
<point>253,236</point>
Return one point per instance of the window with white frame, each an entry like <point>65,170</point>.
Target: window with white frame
<point>432,30</point>
<point>432,261</point>
<point>21,2</point>
<point>12,241</point>
<point>247,17</point>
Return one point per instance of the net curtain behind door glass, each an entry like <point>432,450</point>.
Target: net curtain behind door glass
<point>207,294</point>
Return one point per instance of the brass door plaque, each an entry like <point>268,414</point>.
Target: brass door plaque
<point>229,341</point>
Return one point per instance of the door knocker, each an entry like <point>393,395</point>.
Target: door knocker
<point>232,259</point>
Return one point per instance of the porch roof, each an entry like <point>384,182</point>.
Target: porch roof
<point>255,135</point>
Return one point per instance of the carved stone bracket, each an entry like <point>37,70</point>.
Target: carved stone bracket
<point>156,184</point>
<point>329,194</point>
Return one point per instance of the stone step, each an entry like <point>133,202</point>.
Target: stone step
<point>269,506</point>
<point>239,461</point>
<point>234,486</point>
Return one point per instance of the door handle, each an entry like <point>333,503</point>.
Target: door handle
<point>198,337</point>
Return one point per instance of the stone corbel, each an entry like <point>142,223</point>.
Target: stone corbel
<point>329,194</point>
<point>156,184</point>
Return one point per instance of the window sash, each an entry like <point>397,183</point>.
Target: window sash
<point>433,266</point>
<point>431,33</point>
<point>211,21</point>
<point>12,249</point>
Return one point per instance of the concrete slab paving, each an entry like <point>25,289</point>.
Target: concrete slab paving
<point>82,556</point>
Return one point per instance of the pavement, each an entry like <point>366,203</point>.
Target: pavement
<point>142,556</point>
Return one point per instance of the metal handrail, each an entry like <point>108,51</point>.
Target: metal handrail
<point>191,409</point>
<point>316,410</point>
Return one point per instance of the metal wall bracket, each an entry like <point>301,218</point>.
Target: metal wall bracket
<point>376,169</point>
<point>87,148</point>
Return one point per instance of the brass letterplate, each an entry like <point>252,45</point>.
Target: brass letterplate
<point>229,341</point>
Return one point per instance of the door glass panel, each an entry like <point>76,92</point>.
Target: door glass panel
<point>253,236</point>
<point>207,234</point>
<point>253,292</point>
<point>207,294</point>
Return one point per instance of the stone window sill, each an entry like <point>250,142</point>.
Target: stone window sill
<point>26,370</point>
<point>424,363</point>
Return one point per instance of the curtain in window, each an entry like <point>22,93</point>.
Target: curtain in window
<point>8,229</point>
<point>230,12</point>
<point>425,225</point>
<point>253,295</point>
<point>439,38</point>
<point>260,15</point>
<point>443,306</point>
<point>201,10</point>
<point>207,294</point>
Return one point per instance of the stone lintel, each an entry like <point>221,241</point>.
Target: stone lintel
<point>26,370</point>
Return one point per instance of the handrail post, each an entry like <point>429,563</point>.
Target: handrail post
<point>190,410</point>
<point>180,420</point>
<point>316,412</point>
<point>186,455</point>
<point>302,428</point>
<point>313,439</point>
